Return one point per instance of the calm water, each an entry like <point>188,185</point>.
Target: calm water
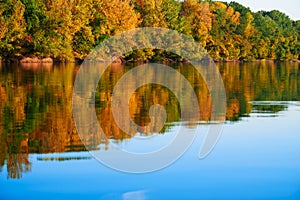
<point>257,156</point>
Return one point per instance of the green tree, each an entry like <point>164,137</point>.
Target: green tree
<point>12,28</point>
<point>222,45</point>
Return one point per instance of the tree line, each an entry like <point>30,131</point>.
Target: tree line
<point>66,30</point>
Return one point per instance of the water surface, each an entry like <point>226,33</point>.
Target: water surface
<point>257,156</point>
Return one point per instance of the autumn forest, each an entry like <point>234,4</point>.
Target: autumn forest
<point>67,30</point>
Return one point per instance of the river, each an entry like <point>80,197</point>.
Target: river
<point>257,155</point>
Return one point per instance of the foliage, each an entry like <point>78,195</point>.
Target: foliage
<point>68,30</point>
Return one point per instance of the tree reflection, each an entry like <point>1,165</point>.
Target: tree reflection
<point>36,109</point>
<point>18,164</point>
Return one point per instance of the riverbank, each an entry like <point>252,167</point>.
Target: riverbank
<point>121,60</point>
<point>262,60</point>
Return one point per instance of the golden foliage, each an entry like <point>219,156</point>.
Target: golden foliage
<point>119,16</point>
<point>200,17</point>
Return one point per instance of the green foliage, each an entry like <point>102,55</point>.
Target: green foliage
<point>66,30</point>
<point>12,28</point>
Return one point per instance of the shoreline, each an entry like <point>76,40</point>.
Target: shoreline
<point>49,60</point>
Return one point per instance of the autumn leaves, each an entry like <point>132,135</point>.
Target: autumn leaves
<point>68,30</point>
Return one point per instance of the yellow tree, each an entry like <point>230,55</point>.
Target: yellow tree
<point>151,12</point>
<point>70,19</point>
<point>200,17</point>
<point>12,27</point>
<point>221,46</point>
<point>118,16</point>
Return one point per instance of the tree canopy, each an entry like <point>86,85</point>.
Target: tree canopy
<point>69,29</point>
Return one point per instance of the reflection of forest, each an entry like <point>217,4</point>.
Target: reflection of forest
<point>36,109</point>
<point>259,81</point>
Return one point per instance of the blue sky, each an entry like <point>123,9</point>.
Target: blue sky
<point>290,7</point>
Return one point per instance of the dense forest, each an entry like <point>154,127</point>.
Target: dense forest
<point>66,30</point>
